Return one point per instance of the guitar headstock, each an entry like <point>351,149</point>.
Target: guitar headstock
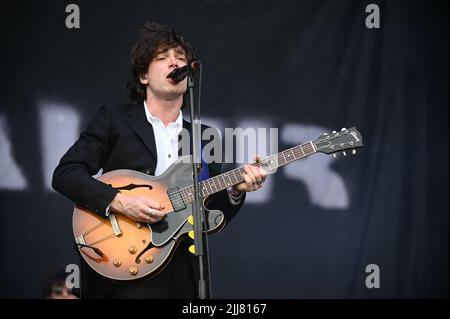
<point>345,139</point>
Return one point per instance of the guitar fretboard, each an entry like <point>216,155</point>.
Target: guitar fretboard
<point>223,181</point>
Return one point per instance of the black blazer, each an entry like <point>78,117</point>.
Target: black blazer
<point>119,137</point>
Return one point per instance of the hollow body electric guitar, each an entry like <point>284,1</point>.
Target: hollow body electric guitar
<point>122,249</point>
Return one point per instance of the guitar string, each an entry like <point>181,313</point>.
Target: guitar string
<point>102,239</point>
<point>94,227</point>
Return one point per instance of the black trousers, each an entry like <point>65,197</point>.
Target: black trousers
<point>176,280</point>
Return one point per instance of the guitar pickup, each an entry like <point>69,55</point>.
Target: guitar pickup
<point>176,199</point>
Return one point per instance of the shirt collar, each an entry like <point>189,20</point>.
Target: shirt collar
<point>152,119</point>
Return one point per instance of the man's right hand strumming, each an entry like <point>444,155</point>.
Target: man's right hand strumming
<point>138,208</point>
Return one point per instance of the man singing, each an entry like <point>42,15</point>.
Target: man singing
<point>142,136</point>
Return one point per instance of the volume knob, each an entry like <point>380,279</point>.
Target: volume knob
<point>117,262</point>
<point>133,271</point>
<point>149,259</point>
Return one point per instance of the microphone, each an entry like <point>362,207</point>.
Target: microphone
<point>179,74</point>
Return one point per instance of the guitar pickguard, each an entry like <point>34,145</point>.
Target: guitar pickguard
<point>165,229</point>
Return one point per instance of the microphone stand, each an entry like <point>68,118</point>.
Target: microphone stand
<point>197,206</point>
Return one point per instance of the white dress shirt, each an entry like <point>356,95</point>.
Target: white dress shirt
<point>166,139</point>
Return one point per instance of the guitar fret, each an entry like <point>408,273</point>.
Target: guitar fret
<point>240,172</point>
<point>204,190</point>
<point>307,147</point>
<point>238,176</point>
<point>279,158</point>
<point>231,183</point>
<point>223,186</point>
<point>292,154</point>
<point>217,183</point>
<point>232,177</point>
<point>205,186</point>
<point>235,178</point>
<point>284,157</point>
<point>294,157</point>
<point>214,179</point>
<point>301,149</point>
<point>210,185</point>
<point>264,164</point>
<point>274,160</point>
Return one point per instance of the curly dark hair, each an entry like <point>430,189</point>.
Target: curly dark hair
<point>153,38</point>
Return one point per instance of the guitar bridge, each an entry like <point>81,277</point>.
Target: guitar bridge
<point>115,225</point>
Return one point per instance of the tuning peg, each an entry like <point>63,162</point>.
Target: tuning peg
<point>191,219</point>
<point>325,134</point>
<point>343,129</point>
<point>333,132</point>
<point>191,234</point>
<point>334,155</point>
<point>353,152</point>
<point>192,249</point>
<point>345,154</point>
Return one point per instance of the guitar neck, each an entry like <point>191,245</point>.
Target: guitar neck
<point>223,181</point>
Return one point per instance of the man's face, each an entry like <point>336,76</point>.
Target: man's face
<point>156,80</point>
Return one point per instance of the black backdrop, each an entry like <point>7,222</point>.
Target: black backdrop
<point>300,66</point>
